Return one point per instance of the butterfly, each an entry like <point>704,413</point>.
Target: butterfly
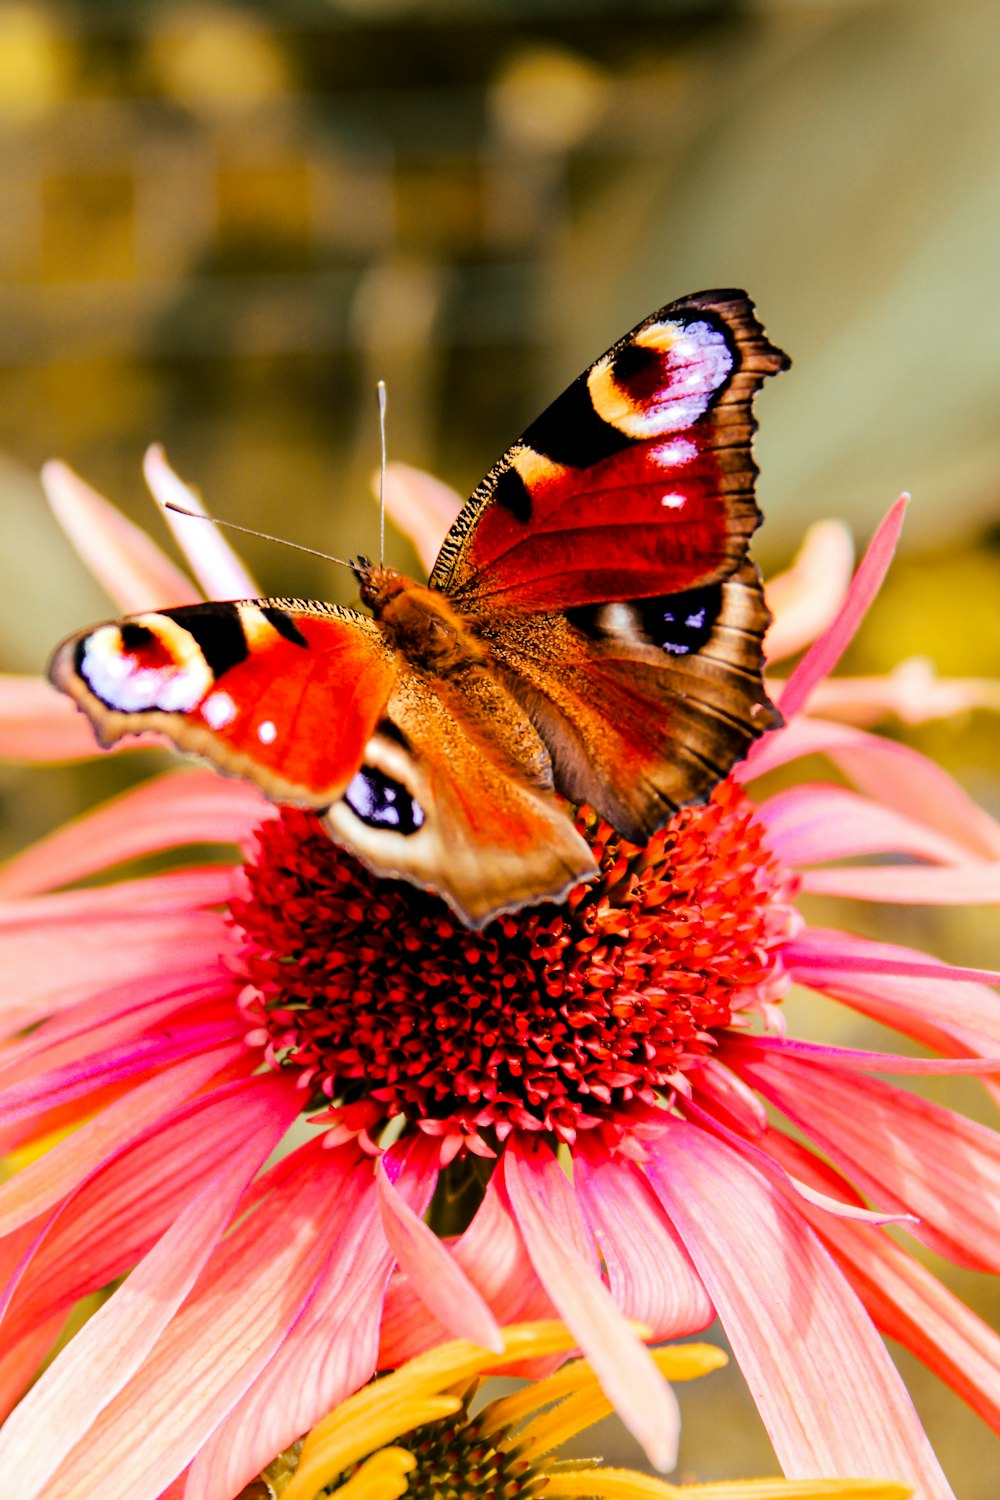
<point>591,632</point>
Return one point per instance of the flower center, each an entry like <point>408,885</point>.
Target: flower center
<point>557,1019</point>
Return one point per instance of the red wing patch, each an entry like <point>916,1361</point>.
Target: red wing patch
<point>282,692</point>
<point>637,481</point>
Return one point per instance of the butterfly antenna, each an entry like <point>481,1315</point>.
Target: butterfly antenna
<point>197,515</point>
<point>381,476</point>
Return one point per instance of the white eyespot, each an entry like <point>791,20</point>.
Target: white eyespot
<point>118,679</point>
<point>266,732</point>
<point>672,501</point>
<point>218,710</point>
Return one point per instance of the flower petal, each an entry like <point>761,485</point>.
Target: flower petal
<point>912,691</point>
<point>563,1255</point>
<point>823,1382</point>
<point>906,1301</point>
<point>814,822</point>
<point>129,565</point>
<point>47,976</point>
<point>421,506</point>
<point>39,724</point>
<point>901,1150</point>
<point>229,1328</point>
<point>821,658</point>
<point>938,1005</point>
<point>182,807</point>
<point>893,774</point>
<point>113,1344</point>
<point>121,1210</point>
<point>971,884</point>
<point>650,1273</point>
<point>327,1352</point>
<point>217,567</point>
<point>804,600</point>
<point>64,1166</point>
<point>434,1274</point>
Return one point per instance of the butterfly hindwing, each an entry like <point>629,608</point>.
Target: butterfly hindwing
<point>455,793</point>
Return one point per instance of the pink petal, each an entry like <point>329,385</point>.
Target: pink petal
<point>891,773</point>
<point>907,1302</point>
<point>912,691</point>
<point>158,895</point>
<point>814,822</point>
<point>133,570</point>
<point>899,987</point>
<point>825,1387</point>
<point>563,1255</point>
<point>758,1157</point>
<point>821,658</point>
<point>650,1273</point>
<point>182,807</point>
<point>224,1336</point>
<point>421,506</point>
<point>492,1254</point>
<point>853,1059</point>
<point>327,1353</point>
<point>121,1210</point>
<point>48,974</point>
<point>939,885</point>
<point>111,1016</point>
<point>105,1354</point>
<point>64,1166</point>
<point>434,1274</point>
<point>901,1150</point>
<point>136,1055</point>
<point>214,563</point>
<point>805,600</point>
<point>37,723</point>
<point>21,1361</point>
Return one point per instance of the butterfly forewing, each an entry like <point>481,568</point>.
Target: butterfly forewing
<point>637,481</point>
<point>284,692</point>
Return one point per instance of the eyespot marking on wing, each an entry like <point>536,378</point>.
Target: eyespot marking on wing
<point>679,624</point>
<point>665,380</point>
<point>147,663</point>
<point>382,802</point>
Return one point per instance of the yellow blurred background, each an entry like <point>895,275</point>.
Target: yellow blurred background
<point>221,223</point>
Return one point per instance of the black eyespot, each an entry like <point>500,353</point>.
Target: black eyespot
<point>681,623</point>
<point>381,802</point>
<point>134,637</point>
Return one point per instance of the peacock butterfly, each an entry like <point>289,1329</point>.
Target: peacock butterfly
<point>591,631</point>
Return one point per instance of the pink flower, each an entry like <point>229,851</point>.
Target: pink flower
<point>184,1023</point>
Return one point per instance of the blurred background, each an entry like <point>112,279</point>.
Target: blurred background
<point>222,222</point>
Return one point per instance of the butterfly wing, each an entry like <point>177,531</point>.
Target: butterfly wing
<point>284,692</point>
<point>455,792</point>
<point>604,560</point>
<point>445,784</point>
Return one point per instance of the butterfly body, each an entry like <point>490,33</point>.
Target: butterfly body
<point>591,631</point>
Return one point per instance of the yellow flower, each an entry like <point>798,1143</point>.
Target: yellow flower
<point>419,1432</point>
